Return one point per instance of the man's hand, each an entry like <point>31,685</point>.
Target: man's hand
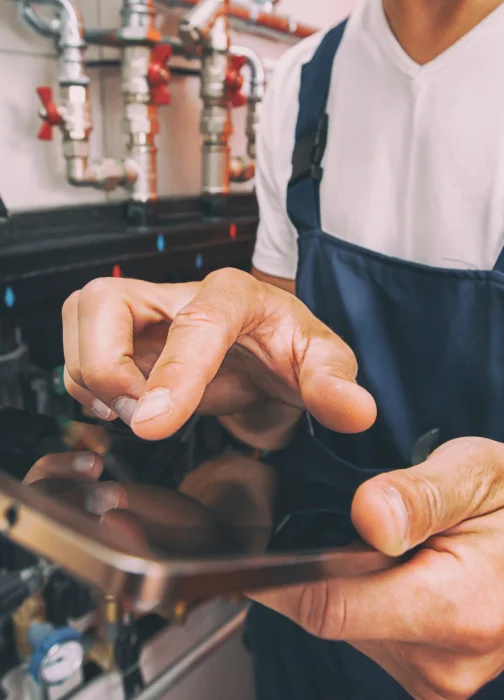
<point>436,622</point>
<point>154,354</point>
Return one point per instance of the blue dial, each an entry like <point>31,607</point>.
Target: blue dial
<point>57,653</point>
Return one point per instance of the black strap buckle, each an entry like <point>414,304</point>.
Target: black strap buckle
<point>319,147</point>
<point>309,153</point>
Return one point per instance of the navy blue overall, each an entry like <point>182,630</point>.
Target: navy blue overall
<point>430,348</point>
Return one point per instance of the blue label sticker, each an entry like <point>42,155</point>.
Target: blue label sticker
<point>199,261</point>
<point>160,243</point>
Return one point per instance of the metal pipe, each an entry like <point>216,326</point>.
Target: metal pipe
<point>256,94</point>
<point>110,37</point>
<point>206,27</point>
<point>68,31</point>
<point>216,124</point>
<point>106,174</point>
<point>181,668</point>
<point>144,79</point>
<point>265,24</point>
<point>248,15</point>
<point>243,169</point>
<point>73,113</point>
<point>49,30</point>
<point>196,25</point>
<point>281,24</point>
<point>256,67</point>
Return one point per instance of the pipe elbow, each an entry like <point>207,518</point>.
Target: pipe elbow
<point>257,72</point>
<point>106,175</point>
<point>195,25</point>
<point>241,170</point>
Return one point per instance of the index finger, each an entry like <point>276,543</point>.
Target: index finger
<point>299,361</point>
<point>110,313</point>
<point>198,340</point>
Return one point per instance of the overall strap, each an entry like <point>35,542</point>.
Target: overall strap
<point>303,193</point>
<point>499,265</point>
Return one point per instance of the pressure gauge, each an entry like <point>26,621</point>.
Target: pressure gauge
<point>61,662</point>
<point>57,653</point>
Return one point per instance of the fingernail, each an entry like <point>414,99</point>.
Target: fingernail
<point>101,410</point>
<point>125,408</point>
<point>399,510</point>
<point>83,462</point>
<point>101,499</point>
<point>153,404</point>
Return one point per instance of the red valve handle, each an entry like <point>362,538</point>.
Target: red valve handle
<point>234,81</point>
<point>52,117</point>
<point>158,74</point>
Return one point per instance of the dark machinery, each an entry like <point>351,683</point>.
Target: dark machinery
<point>46,255</point>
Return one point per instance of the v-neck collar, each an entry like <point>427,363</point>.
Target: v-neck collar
<point>390,45</point>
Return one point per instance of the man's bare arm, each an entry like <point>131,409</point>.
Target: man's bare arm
<point>285,284</point>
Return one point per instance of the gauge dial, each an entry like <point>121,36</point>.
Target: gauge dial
<point>61,662</point>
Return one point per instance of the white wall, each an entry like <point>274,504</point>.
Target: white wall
<point>32,171</point>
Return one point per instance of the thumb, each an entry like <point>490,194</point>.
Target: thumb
<point>399,510</point>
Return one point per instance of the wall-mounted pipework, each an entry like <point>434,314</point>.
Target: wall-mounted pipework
<point>205,29</point>
<point>204,34</point>
<point>256,17</point>
<point>145,77</point>
<point>72,113</point>
<point>242,169</point>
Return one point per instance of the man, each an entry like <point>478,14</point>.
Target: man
<point>381,190</point>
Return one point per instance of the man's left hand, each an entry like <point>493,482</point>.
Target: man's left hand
<point>435,622</point>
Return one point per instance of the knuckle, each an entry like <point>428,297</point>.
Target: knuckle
<point>69,309</point>
<point>97,375</point>
<point>429,495</point>
<point>106,379</point>
<point>72,377</point>
<point>100,287</point>
<point>230,276</point>
<point>197,313</point>
<point>238,287</point>
<point>68,380</point>
<point>204,316</point>
<point>321,612</point>
<point>458,681</point>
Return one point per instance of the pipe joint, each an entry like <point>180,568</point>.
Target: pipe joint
<point>107,174</point>
<point>241,170</point>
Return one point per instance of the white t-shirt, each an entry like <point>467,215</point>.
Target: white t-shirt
<point>414,166</point>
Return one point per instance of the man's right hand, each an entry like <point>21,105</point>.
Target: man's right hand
<point>233,346</point>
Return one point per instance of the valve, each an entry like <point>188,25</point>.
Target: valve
<point>58,653</point>
<point>234,81</point>
<point>158,74</point>
<point>49,114</point>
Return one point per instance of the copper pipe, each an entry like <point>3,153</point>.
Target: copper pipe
<point>277,23</point>
<point>272,22</point>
